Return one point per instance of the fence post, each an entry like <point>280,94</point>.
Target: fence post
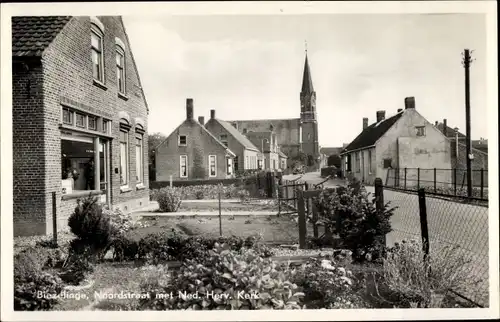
<point>423,222</point>
<point>379,202</point>
<point>435,180</point>
<point>482,183</point>
<point>418,178</point>
<point>295,195</point>
<point>455,181</point>
<point>270,184</point>
<point>170,180</point>
<point>315,220</point>
<point>301,220</point>
<point>54,218</point>
<point>308,209</point>
<point>405,179</point>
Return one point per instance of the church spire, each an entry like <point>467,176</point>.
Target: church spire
<point>307,85</point>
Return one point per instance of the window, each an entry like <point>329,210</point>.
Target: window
<point>369,161</point>
<point>105,126</point>
<point>80,120</point>
<point>387,163</point>
<point>183,166</point>
<point>182,140</point>
<point>420,130</point>
<point>246,162</point>
<point>259,164</point>
<point>212,165</point>
<point>229,165</point>
<point>67,116</point>
<point>223,139</point>
<point>357,166</point>
<point>120,69</point>
<point>235,163</point>
<point>97,55</point>
<point>123,157</point>
<point>92,122</point>
<point>77,164</point>
<point>139,159</point>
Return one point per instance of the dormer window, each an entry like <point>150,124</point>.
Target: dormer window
<point>182,140</point>
<point>97,54</point>
<point>420,130</point>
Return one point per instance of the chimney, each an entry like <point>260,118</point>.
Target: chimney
<point>212,114</point>
<point>189,108</point>
<point>201,119</point>
<point>365,122</point>
<point>409,102</point>
<point>436,124</point>
<point>380,116</point>
<point>445,128</point>
<point>399,110</point>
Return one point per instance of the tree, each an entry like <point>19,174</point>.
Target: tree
<point>154,140</point>
<point>334,160</point>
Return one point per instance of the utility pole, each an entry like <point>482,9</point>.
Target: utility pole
<point>466,63</point>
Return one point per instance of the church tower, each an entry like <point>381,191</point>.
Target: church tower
<point>308,123</point>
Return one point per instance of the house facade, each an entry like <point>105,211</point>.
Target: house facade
<point>79,119</point>
<point>404,140</point>
<point>268,142</point>
<point>247,154</point>
<point>191,152</point>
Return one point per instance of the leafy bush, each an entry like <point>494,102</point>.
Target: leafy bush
<point>199,195</point>
<point>327,285</point>
<point>92,226</point>
<point>125,248</point>
<point>225,272</point>
<point>243,195</point>
<point>121,222</point>
<point>415,282</point>
<point>169,199</point>
<point>360,226</point>
<point>159,247</point>
<point>31,283</point>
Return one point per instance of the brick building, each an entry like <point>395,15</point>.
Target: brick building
<point>248,156</point>
<point>297,134</point>
<point>79,119</point>
<point>192,152</point>
<point>404,140</point>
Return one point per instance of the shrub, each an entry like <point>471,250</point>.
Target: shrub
<point>199,194</point>
<point>243,195</point>
<point>169,199</point>
<point>30,282</point>
<point>125,248</point>
<point>415,282</point>
<point>355,218</point>
<point>327,285</point>
<point>121,222</point>
<point>225,272</point>
<point>92,225</point>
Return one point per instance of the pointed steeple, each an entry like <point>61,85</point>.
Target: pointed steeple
<point>307,84</point>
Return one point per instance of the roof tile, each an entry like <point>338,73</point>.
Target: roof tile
<point>32,35</point>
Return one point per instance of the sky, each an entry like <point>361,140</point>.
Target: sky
<point>250,67</point>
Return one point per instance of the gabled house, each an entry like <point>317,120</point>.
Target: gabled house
<point>79,116</point>
<point>404,140</point>
<point>283,159</point>
<point>268,143</point>
<point>191,152</point>
<point>247,154</point>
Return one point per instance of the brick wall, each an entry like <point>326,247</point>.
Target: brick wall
<point>67,75</point>
<point>199,143</point>
<point>28,165</point>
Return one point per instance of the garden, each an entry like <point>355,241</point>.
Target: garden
<point>114,261</point>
